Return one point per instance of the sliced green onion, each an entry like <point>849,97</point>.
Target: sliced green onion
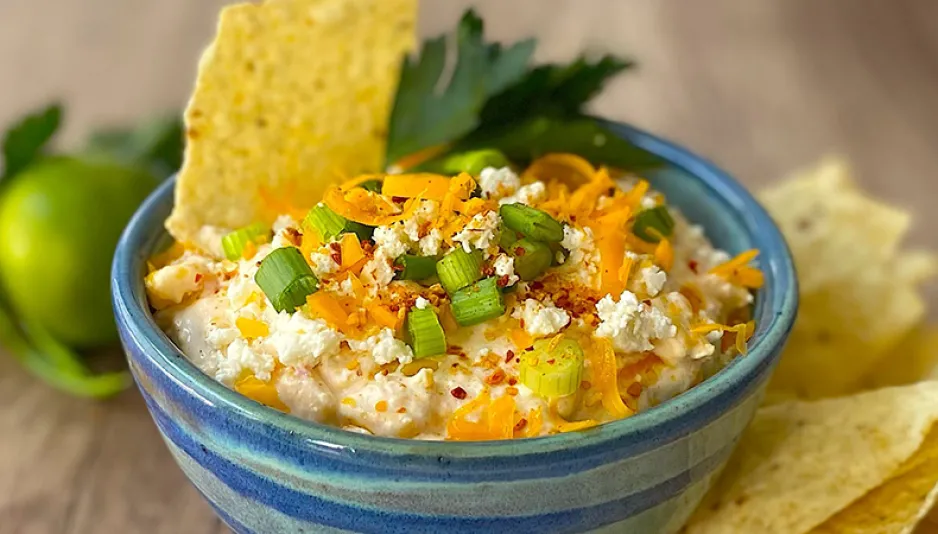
<point>286,279</point>
<point>653,224</point>
<point>507,237</point>
<point>532,258</point>
<point>474,161</point>
<point>458,269</point>
<point>415,267</point>
<point>330,224</point>
<point>234,242</point>
<point>478,303</point>
<point>531,222</point>
<point>372,185</point>
<point>555,373</point>
<point>426,334</point>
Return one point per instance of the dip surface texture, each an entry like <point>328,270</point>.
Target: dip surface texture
<point>622,314</point>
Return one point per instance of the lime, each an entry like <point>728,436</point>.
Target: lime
<point>60,221</point>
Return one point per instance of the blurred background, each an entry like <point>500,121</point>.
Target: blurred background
<point>762,87</point>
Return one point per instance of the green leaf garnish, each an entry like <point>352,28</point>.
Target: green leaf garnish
<point>429,111</point>
<point>552,90</point>
<point>25,141</point>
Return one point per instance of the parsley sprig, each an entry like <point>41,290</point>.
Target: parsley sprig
<point>495,99</point>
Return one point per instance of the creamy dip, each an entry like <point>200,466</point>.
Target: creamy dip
<point>653,318</point>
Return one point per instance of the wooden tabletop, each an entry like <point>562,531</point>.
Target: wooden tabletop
<point>761,87</point>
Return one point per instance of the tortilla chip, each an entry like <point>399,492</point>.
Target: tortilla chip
<point>801,463</point>
<point>914,359</point>
<point>897,506</point>
<point>292,96</point>
<point>859,293</point>
<point>835,231</point>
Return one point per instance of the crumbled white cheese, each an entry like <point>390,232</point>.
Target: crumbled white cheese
<point>504,265</point>
<point>298,340</point>
<point>427,212</point>
<point>240,356</point>
<point>648,202</point>
<point>322,264</point>
<point>430,243</point>
<point>541,319</point>
<point>390,241</point>
<point>497,182</point>
<point>631,324</point>
<point>421,303</point>
<point>583,259</point>
<point>393,392</point>
<point>652,280</point>
<point>481,232</point>
<point>378,273</point>
<point>283,222</point>
<point>528,194</point>
<point>384,348</point>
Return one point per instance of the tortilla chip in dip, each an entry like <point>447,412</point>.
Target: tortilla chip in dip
<point>859,292</point>
<point>292,96</point>
<point>830,465</point>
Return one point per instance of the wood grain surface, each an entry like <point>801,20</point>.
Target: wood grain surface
<point>761,87</point>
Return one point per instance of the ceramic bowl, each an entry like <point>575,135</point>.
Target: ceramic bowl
<point>266,472</point>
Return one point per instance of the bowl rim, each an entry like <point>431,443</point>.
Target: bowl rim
<point>661,424</point>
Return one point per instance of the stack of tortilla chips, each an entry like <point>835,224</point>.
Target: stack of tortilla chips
<point>835,450</point>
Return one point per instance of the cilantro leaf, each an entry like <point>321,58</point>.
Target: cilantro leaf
<point>26,140</point>
<point>429,111</point>
<point>554,90</point>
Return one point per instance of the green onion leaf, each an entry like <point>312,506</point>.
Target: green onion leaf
<point>458,269</point>
<point>478,303</point>
<point>234,243</point>
<point>532,258</point>
<point>507,237</point>
<point>474,161</point>
<point>330,224</point>
<point>554,373</point>
<point>286,279</point>
<point>372,185</point>
<point>531,222</point>
<point>426,334</point>
<point>413,267</point>
<point>653,224</point>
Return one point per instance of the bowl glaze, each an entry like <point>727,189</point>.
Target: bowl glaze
<point>266,472</point>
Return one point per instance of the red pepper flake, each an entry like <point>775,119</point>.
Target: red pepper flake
<point>692,265</point>
<point>647,302</point>
<point>512,381</point>
<point>586,384</point>
<point>519,251</point>
<point>502,281</point>
<point>198,277</point>
<point>519,426</point>
<point>495,378</point>
<point>398,200</point>
<point>336,252</point>
<point>402,410</point>
<point>509,355</point>
<point>458,392</point>
<point>488,270</point>
<point>537,285</point>
<point>551,361</point>
<point>521,322</point>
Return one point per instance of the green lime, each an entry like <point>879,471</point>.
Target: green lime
<point>60,221</point>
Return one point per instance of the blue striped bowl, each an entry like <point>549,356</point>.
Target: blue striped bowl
<point>267,472</point>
